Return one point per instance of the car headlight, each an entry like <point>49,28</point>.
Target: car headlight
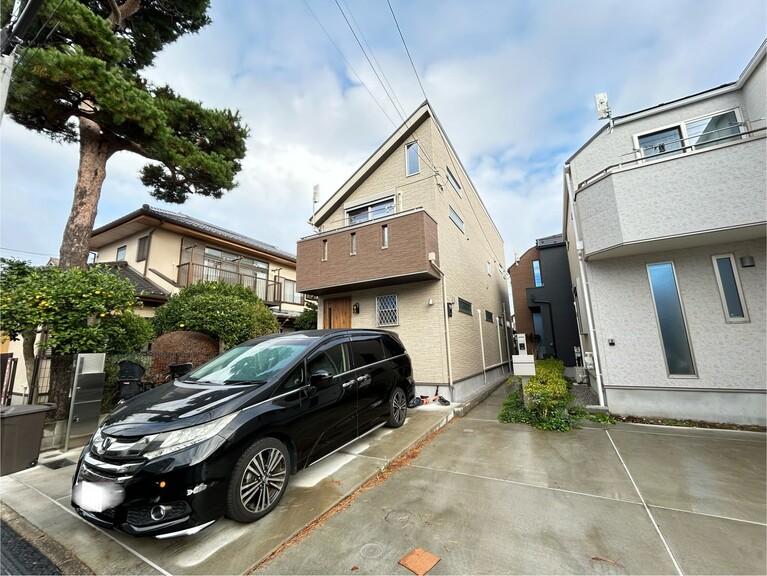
<point>156,445</point>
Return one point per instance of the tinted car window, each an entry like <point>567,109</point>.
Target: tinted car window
<point>333,360</point>
<point>392,347</point>
<point>367,350</point>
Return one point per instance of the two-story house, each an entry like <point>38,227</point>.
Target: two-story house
<point>543,301</point>
<point>170,250</point>
<point>665,216</point>
<point>406,244</point>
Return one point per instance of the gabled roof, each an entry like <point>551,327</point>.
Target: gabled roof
<point>146,289</point>
<point>149,217</point>
<point>374,161</point>
<point>400,135</point>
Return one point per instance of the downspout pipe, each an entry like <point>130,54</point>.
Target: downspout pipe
<point>447,326</point>
<point>585,286</point>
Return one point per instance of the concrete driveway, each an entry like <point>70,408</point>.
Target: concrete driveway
<point>484,497</point>
<point>489,498</point>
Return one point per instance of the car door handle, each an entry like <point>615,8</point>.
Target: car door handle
<point>364,378</point>
<point>347,384</point>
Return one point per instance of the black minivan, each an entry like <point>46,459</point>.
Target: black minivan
<point>225,438</point>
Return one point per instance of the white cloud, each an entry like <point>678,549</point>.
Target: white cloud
<point>512,84</point>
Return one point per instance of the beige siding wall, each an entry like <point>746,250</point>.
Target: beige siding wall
<point>464,257</point>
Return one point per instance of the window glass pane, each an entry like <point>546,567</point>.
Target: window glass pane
<point>143,248</point>
<point>367,351</point>
<point>464,306</point>
<point>386,310</point>
<point>382,209</point>
<point>332,360</point>
<point>358,215</point>
<point>537,273</point>
<point>456,218</point>
<point>713,130</point>
<point>453,181</point>
<point>391,346</point>
<point>488,316</point>
<point>384,236</point>
<point>661,144</point>
<point>730,292</point>
<point>411,151</point>
<point>353,247</point>
<point>668,308</point>
<point>121,253</point>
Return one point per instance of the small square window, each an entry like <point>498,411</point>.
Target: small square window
<point>464,306</point>
<point>488,316</point>
<point>121,252</point>
<point>387,312</point>
<point>413,165</point>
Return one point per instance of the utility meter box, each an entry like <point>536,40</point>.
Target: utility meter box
<point>522,344</point>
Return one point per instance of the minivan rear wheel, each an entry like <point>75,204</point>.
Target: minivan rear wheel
<point>397,408</point>
<point>258,481</point>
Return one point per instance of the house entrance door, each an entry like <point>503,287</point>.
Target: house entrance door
<point>337,313</point>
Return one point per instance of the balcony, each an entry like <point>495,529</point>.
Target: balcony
<point>689,199</point>
<point>382,252</point>
<point>272,292</point>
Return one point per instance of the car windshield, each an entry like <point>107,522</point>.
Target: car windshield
<point>252,364</point>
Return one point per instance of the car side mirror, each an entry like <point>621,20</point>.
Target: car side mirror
<point>321,378</point>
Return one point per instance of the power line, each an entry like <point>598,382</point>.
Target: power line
<point>25,252</point>
<point>349,64</point>
<point>406,49</point>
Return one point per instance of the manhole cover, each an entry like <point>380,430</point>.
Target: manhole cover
<point>371,551</point>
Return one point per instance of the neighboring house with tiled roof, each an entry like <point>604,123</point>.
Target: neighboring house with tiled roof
<point>150,294</point>
<point>169,250</point>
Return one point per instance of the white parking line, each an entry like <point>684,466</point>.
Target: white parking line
<point>647,509</point>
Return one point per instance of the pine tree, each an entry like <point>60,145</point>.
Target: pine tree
<point>81,81</point>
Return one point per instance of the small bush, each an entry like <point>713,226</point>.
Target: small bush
<point>549,399</point>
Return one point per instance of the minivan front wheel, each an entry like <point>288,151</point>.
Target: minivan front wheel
<point>258,481</point>
<point>397,408</point>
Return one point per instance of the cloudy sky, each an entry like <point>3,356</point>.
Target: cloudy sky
<point>512,81</point>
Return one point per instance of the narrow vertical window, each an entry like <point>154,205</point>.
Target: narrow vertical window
<point>324,250</point>
<point>489,268</point>
<point>121,251</point>
<point>385,236</point>
<point>142,252</point>
<point>411,159</point>
<point>671,322</point>
<point>353,248</point>
<point>537,273</point>
<point>730,289</point>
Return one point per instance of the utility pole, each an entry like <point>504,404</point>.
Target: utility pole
<point>11,36</point>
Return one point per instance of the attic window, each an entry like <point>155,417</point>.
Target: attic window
<point>411,158</point>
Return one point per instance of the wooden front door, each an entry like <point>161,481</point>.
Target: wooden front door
<point>338,313</point>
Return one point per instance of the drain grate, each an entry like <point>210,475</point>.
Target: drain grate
<point>56,464</point>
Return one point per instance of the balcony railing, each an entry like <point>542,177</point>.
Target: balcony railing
<point>272,292</point>
<point>680,147</point>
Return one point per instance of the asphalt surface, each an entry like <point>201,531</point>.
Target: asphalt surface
<point>480,496</point>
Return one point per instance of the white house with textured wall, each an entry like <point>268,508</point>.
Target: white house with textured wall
<point>665,216</point>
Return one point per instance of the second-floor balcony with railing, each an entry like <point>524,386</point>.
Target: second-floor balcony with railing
<point>710,183</point>
<point>394,249</point>
<point>274,292</point>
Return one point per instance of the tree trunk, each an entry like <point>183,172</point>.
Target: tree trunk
<point>95,150</point>
<point>28,351</point>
